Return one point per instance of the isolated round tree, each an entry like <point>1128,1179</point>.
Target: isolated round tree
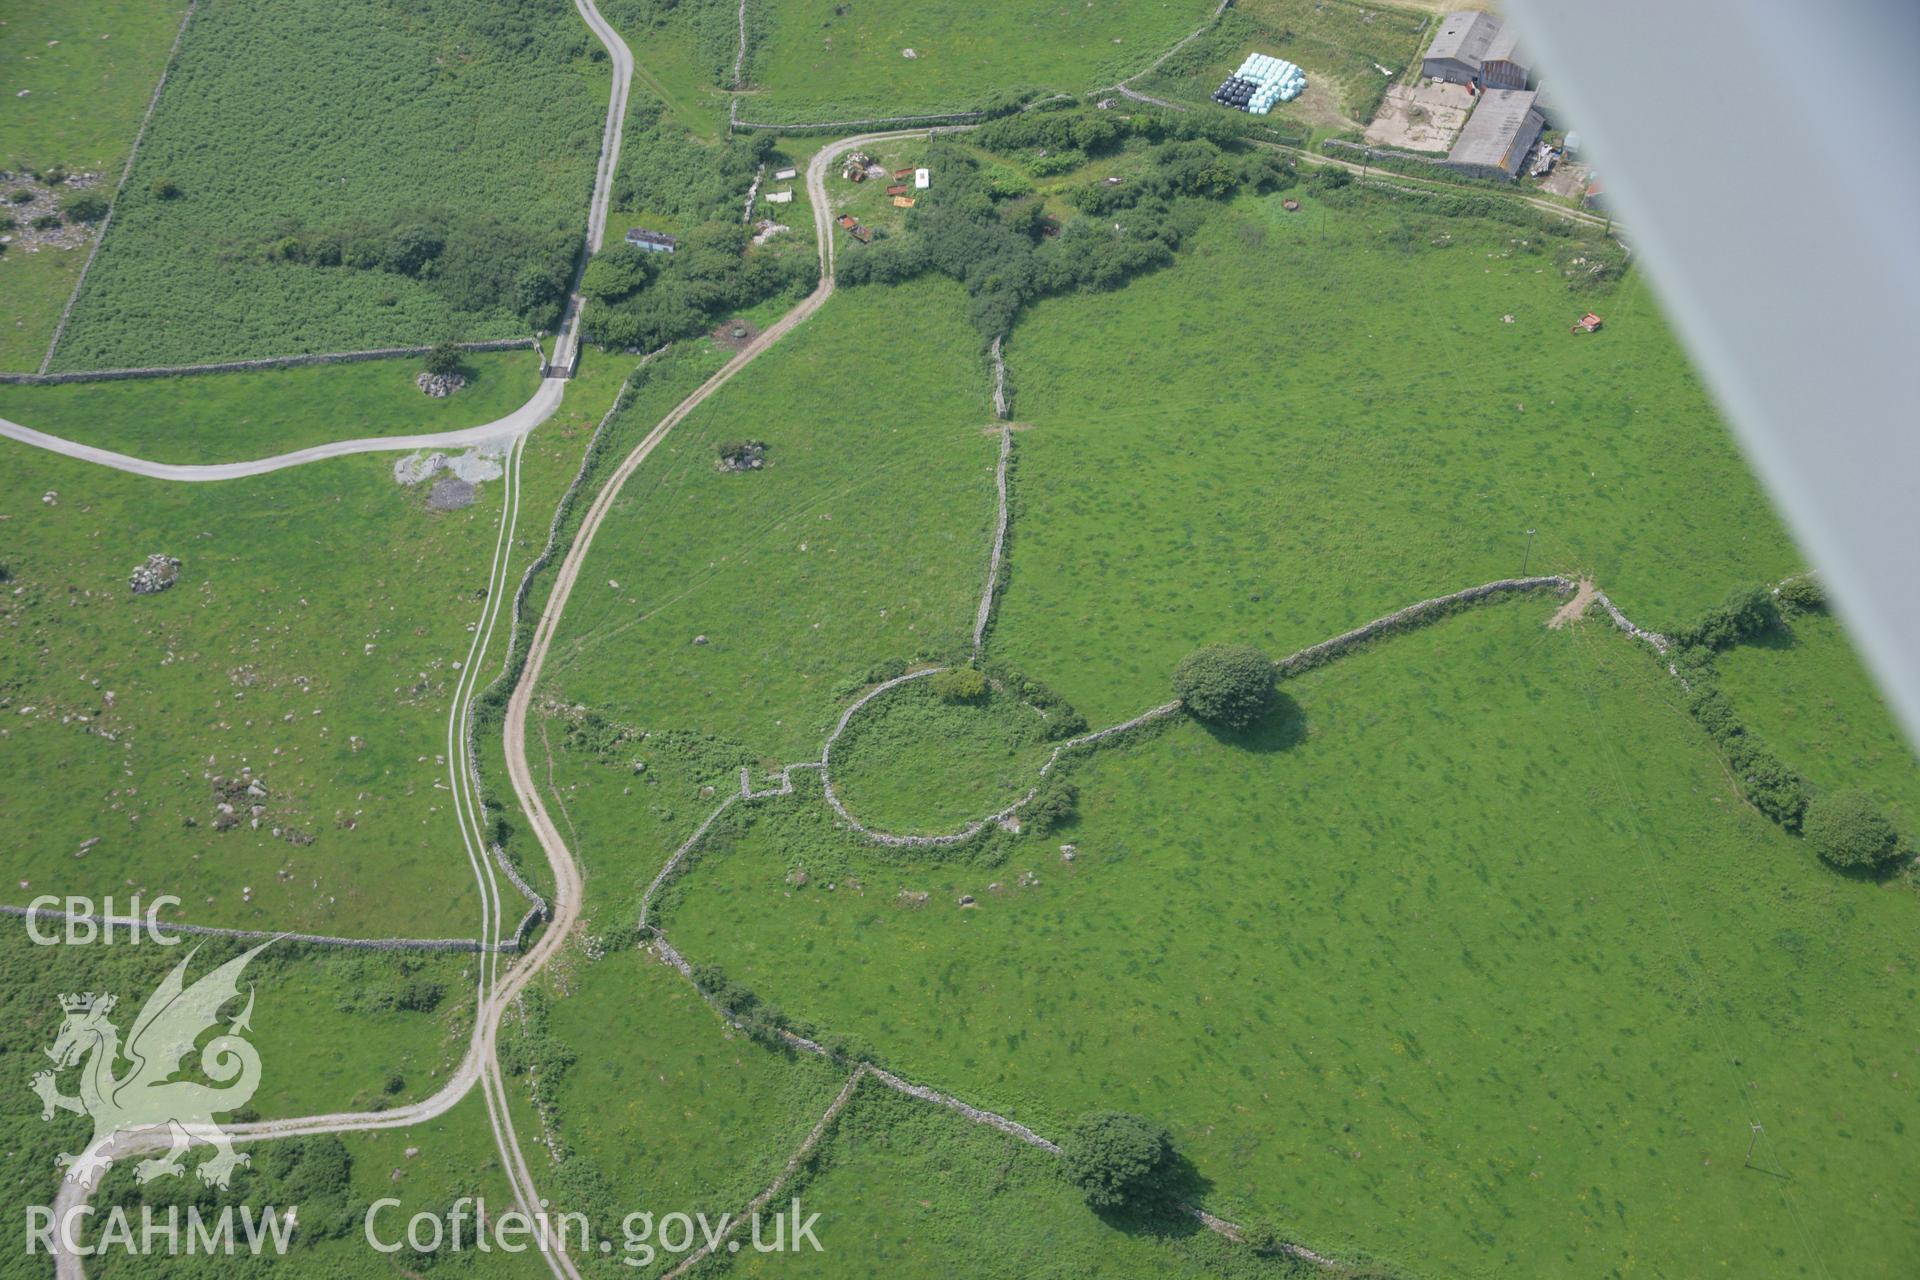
<point>443,358</point>
<point>1226,684</point>
<point>1116,1158</point>
<point>1848,830</point>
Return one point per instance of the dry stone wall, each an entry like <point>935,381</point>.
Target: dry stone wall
<point>244,366</point>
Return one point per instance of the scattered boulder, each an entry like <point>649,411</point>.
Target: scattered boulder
<point>440,385</point>
<point>50,498</point>
<point>156,575</point>
<point>1068,852</point>
<point>700,639</point>
<point>966,900</point>
<point>914,897</point>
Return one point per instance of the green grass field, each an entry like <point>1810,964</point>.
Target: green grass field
<point>347,124</point>
<point>818,60</point>
<point>863,539</point>
<point>1804,690</point>
<point>312,637</point>
<point>33,288</point>
<point>1485,975</point>
<point>88,71</point>
<point>682,55</point>
<point>231,417</point>
<point>685,1116</point>
<point>1585,892</point>
<point>1379,435</point>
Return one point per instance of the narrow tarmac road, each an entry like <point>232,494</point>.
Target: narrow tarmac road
<point>501,430</point>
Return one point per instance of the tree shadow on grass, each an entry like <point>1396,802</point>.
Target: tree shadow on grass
<point>1163,1216</point>
<point>1778,637</point>
<point>1873,872</point>
<point>1281,729</point>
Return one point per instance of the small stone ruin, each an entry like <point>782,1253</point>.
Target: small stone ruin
<point>440,385</point>
<point>748,455</point>
<point>155,576</point>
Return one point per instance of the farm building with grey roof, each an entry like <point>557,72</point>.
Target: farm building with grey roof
<point>1499,133</point>
<point>1505,65</point>
<point>1460,46</point>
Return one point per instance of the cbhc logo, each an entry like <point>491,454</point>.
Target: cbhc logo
<point>84,925</point>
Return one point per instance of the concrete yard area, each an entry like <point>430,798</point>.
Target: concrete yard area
<point>1421,117</point>
<point>1568,179</point>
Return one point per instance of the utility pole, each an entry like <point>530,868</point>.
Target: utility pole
<point>1752,1140</point>
<point>1528,558</point>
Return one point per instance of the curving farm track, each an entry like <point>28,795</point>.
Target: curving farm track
<point>496,991</point>
<point>514,426</point>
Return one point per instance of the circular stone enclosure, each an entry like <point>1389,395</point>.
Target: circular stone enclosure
<point>910,763</point>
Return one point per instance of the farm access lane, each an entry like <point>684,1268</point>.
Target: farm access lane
<point>1582,216</point>
<point>546,399</point>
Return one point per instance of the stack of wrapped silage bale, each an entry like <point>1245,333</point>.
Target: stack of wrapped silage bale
<point>1261,81</point>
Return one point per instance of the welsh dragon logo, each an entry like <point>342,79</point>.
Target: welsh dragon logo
<point>146,1098</point>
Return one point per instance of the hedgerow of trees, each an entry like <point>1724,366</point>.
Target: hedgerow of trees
<point>1766,781</point>
<point>640,300</point>
<point>1846,829</point>
<point>973,228</point>
<point>644,300</point>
